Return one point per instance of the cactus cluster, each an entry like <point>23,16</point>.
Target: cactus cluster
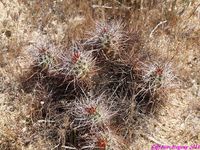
<point>98,88</point>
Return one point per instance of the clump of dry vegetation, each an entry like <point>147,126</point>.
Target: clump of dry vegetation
<point>106,75</point>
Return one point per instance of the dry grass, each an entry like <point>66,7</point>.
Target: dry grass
<point>36,106</point>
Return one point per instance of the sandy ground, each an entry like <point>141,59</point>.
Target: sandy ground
<point>178,120</point>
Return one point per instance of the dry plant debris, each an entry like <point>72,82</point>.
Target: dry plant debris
<point>99,75</point>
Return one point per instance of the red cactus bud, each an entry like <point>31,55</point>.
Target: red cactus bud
<point>101,143</point>
<point>75,57</point>
<point>159,71</point>
<point>91,110</point>
<point>104,30</point>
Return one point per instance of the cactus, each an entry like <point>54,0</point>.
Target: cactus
<point>96,61</point>
<point>79,64</point>
<point>92,112</point>
<point>159,75</point>
<point>105,141</point>
<point>108,38</point>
